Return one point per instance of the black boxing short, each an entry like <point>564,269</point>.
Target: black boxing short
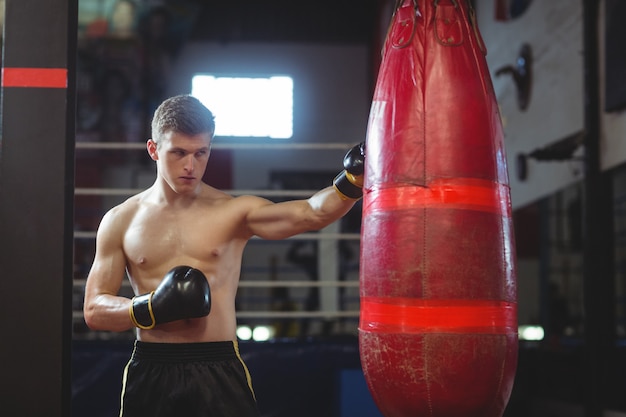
<point>187,379</point>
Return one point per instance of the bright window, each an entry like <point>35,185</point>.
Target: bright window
<point>248,106</point>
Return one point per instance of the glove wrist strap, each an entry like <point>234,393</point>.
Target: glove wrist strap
<point>141,313</point>
<point>348,186</point>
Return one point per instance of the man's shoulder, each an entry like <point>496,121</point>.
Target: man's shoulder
<point>217,197</point>
<point>250,201</point>
<point>126,208</point>
<point>233,206</point>
<point>213,194</point>
<point>131,203</point>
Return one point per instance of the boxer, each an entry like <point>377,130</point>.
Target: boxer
<point>180,243</point>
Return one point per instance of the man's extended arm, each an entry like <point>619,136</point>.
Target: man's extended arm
<point>281,220</point>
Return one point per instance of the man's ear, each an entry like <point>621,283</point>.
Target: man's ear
<point>151,146</point>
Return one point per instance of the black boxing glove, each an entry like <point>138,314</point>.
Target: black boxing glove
<point>184,293</point>
<point>349,182</point>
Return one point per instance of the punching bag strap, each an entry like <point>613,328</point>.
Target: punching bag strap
<point>403,25</point>
<point>399,3</point>
<point>474,23</point>
<point>448,28</point>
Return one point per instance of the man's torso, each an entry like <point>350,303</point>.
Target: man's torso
<point>207,234</point>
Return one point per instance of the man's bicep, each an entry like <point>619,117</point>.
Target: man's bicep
<point>278,220</point>
<point>106,274</point>
<point>107,271</point>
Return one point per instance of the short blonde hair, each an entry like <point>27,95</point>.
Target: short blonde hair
<point>182,114</point>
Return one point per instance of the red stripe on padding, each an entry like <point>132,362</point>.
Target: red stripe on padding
<point>34,77</point>
<point>410,315</point>
<point>458,193</point>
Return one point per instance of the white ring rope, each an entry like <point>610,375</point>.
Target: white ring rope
<point>78,315</point>
<point>132,191</point>
<point>296,314</point>
<point>86,234</point>
<point>272,284</point>
<point>222,145</point>
<point>298,284</point>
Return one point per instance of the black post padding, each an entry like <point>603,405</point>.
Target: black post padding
<point>598,249</point>
<point>36,212</point>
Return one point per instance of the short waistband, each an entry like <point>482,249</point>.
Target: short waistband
<point>185,352</point>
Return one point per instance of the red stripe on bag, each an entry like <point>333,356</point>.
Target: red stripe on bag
<point>408,315</point>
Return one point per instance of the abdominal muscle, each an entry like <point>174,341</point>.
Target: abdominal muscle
<point>220,325</point>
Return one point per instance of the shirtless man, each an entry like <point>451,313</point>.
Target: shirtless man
<point>191,366</point>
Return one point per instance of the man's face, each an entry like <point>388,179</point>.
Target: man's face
<point>181,159</point>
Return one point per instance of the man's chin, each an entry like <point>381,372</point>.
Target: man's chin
<point>187,187</point>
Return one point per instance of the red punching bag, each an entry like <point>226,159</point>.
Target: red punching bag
<point>438,326</point>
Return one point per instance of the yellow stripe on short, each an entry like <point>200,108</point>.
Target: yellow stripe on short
<point>248,377</point>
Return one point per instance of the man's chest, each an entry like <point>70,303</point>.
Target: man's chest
<point>163,238</point>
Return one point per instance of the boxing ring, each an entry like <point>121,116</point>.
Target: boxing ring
<point>50,255</point>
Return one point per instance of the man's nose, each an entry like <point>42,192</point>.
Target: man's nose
<point>189,162</point>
